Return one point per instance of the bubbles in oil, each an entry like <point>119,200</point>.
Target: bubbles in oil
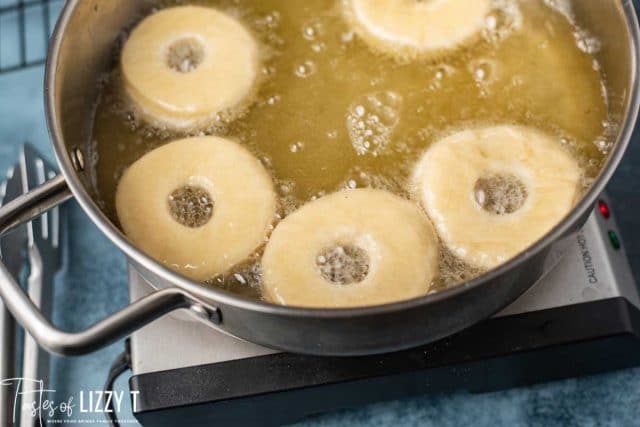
<point>440,74</point>
<point>267,26</point>
<point>347,37</point>
<point>286,190</point>
<point>392,111</point>
<point>273,100</point>
<point>453,271</point>
<point>296,147</point>
<point>360,178</point>
<point>562,6</point>
<point>270,21</point>
<point>305,69</point>
<point>584,41</point>
<point>483,70</point>
<point>244,279</point>
<point>313,30</point>
<point>191,206</point>
<point>505,19</point>
<point>587,43</point>
<point>604,145</point>
<point>500,194</point>
<point>343,264</point>
<point>371,121</point>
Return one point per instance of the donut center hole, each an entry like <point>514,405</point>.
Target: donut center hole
<point>191,206</point>
<point>343,264</point>
<point>185,55</point>
<point>500,194</point>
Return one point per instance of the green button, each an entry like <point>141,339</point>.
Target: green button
<point>615,240</point>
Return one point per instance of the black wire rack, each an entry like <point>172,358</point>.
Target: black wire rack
<point>25,28</point>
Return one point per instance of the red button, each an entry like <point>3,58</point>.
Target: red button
<point>604,209</point>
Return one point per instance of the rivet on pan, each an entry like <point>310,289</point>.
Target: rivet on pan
<point>206,314</point>
<point>77,159</point>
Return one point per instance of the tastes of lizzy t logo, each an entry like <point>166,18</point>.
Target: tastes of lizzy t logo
<point>32,399</point>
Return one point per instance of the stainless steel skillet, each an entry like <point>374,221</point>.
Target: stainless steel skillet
<point>82,50</point>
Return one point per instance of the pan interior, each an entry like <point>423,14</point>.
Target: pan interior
<point>423,103</point>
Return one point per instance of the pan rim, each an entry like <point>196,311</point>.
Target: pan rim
<point>215,296</point>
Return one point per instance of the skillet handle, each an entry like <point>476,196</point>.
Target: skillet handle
<point>101,334</point>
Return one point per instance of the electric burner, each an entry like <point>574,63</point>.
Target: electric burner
<point>582,318</point>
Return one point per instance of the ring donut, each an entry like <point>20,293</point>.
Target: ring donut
<point>198,205</point>
<point>492,192</point>
<point>417,28</point>
<point>352,248</point>
<point>187,66</point>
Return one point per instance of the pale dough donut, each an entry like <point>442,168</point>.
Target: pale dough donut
<point>414,28</point>
<point>239,188</point>
<point>543,183</point>
<point>395,236</point>
<point>184,65</point>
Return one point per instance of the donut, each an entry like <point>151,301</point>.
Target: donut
<point>188,66</point>
<point>198,205</point>
<point>352,248</point>
<point>492,192</point>
<point>416,28</point>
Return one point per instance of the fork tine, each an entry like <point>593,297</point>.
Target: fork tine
<point>3,185</point>
<point>44,231</point>
<point>54,224</point>
<point>10,173</point>
<point>40,179</point>
<point>28,183</point>
<point>32,167</point>
<point>3,189</point>
<point>3,193</point>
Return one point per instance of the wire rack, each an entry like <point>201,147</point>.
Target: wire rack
<point>25,28</point>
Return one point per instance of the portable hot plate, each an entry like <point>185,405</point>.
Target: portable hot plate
<point>582,318</point>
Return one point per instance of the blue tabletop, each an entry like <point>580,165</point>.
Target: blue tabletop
<point>93,285</point>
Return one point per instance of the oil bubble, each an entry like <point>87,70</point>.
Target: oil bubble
<point>312,30</point>
<point>603,145</point>
<point>270,21</point>
<point>483,70</point>
<point>371,120</point>
<point>347,37</point>
<point>306,69</point>
<point>296,147</point>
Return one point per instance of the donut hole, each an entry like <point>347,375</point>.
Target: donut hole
<point>191,206</point>
<point>500,194</point>
<point>185,55</point>
<point>343,264</point>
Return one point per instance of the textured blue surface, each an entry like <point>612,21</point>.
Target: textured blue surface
<point>94,285</point>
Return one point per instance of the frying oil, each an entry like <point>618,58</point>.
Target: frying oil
<point>332,114</point>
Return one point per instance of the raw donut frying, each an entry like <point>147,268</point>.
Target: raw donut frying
<point>492,192</point>
<point>184,65</point>
<point>199,205</point>
<point>352,248</point>
<point>415,28</point>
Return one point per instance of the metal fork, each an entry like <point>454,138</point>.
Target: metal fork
<point>45,261</point>
<point>7,343</point>
<point>12,250</point>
